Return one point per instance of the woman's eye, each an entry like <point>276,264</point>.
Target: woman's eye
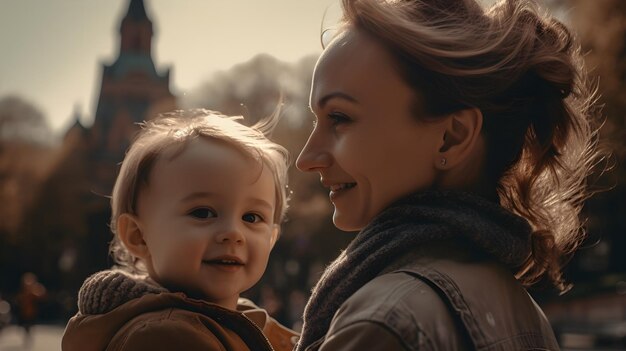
<point>252,218</point>
<point>338,118</point>
<point>202,213</point>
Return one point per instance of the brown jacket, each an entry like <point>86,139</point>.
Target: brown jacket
<point>441,298</point>
<point>171,321</point>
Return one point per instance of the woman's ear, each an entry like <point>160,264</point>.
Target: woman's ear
<point>130,233</point>
<point>460,138</point>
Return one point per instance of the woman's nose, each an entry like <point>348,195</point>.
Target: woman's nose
<point>314,156</point>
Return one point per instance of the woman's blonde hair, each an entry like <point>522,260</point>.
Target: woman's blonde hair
<point>177,129</point>
<point>524,71</point>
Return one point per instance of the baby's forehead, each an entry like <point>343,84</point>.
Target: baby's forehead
<point>213,144</point>
<point>213,157</point>
<point>207,157</point>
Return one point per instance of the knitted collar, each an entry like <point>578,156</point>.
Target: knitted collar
<point>106,290</point>
<point>403,227</point>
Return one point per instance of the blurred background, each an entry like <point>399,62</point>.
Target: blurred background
<point>76,77</point>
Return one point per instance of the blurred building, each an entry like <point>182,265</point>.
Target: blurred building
<point>66,233</point>
<point>131,91</point>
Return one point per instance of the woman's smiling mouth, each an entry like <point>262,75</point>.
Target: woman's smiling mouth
<point>338,189</point>
<point>342,186</point>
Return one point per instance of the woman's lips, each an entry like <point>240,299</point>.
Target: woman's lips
<point>342,186</point>
<point>338,189</point>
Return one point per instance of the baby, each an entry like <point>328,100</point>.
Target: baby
<point>196,210</point>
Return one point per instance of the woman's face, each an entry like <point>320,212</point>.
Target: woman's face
<point>367,144</point>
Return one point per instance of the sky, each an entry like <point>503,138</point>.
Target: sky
<point>52,51</point>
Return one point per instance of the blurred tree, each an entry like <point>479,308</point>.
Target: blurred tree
<point>26,157</point>
<point>21,121</point>
<point>601,26</point>
<point>25,150</point>
<point>592,313</point>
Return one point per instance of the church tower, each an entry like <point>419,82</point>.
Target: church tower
<point>132,90</point>
<point>136,30</point>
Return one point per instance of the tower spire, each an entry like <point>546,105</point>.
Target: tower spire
<point>136,11</point>
<point>136,29</point>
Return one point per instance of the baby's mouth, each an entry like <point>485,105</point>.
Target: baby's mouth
<point>224,262</point>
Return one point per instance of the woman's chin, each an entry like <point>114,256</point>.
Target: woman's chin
<point>346,224</point>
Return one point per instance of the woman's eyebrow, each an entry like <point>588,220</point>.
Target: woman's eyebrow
<point>338,94</point>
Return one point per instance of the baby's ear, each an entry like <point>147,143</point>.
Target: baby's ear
<point>275,234</point>
<point>131,234</point>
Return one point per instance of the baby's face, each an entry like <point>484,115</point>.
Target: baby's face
<point>207,219</point>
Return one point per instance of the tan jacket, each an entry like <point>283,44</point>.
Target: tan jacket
<point>441,298</point>
<point>166,321</point>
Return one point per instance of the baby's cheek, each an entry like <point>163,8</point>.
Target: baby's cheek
<point>260,263</point>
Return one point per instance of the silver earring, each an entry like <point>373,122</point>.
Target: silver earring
<point>443,161</point>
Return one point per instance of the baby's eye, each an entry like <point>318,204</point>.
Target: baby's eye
<point>202,213</point>
<point>252,218</point>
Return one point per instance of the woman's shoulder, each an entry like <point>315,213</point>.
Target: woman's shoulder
<point>407,287</point>
<point>386,293</point>
<point>402,305</point>
<point>417,300</point>
<point>490,303</point>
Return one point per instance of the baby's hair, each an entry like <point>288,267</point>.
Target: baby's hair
<point>176,129</point>
<point>525,73</point>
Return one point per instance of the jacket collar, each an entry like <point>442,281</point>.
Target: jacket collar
<point>104,291</point>
<point>110,299</point>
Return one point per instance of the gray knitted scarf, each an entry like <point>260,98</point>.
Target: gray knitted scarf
<point>404,226</point>
<point>106,290</point>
